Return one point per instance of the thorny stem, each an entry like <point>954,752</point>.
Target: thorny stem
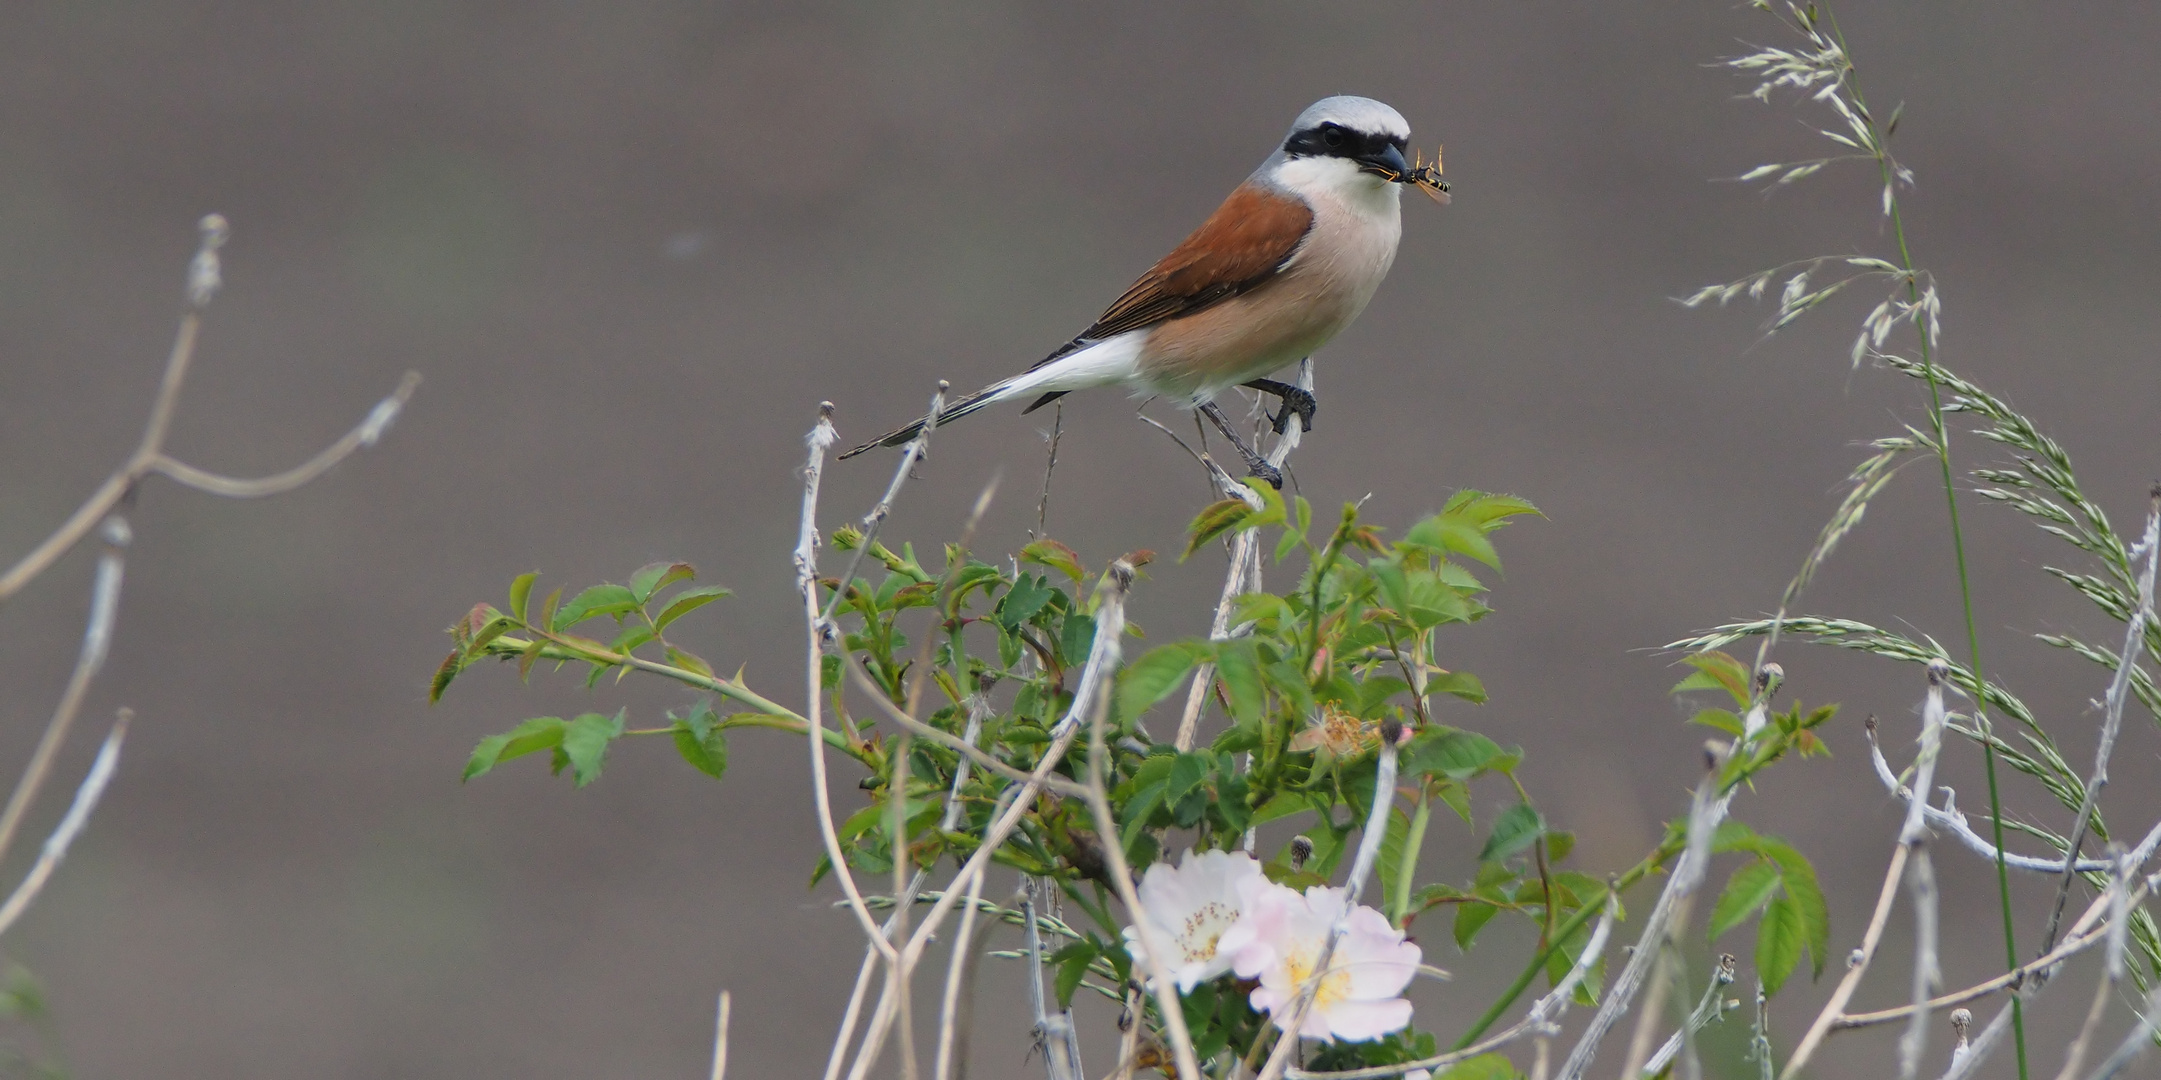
<point>1958,545</point>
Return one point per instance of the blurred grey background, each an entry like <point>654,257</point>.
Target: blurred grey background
<point>631,245</point>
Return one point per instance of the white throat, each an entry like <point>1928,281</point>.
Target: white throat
<point>1341,183</point>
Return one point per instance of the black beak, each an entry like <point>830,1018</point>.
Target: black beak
<point>1387,164</point>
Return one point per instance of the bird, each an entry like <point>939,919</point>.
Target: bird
<point>1288,260</point>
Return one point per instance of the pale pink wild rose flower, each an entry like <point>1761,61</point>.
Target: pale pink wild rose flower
<point>1279,941</point>
<point>1190,907</point>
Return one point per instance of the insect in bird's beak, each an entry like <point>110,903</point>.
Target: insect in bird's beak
<point>1426,177</point>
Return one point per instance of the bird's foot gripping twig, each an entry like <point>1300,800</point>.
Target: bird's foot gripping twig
<point>1256,465</point>
<point>1296,402</point>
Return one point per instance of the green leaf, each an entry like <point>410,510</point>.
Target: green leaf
<point>633,635</point>
<point>521,590</point>
<point>1807,898</point>
<point>1462,684</point>
<point>653,577</point>
<point>1458,755</point>
<point>1517,828</point>
<point>1471,918</point>
<point>1188,773</point>
<point>1023,600</point>
<point>685,602</point>
<point>1447,532</point>
<point>539,733</point>
<point>1238,664</point>
<point>1721,719</point>
<point>1750,887</point>
<point>585,743</point>
<point>547,613</point>
<point>707,751</point>
<point>1215,520</point>
<point>1077,637</point>
<point>598,600</point>
<point>1482,1067</point>
<point>691,662</point>
<point>1391,854</point>
<point>1158,672</point>
<point>1778,943</point>
<point>1057,556</point>
<point>1072,961</point>
<point>447,671</point>
<point>1489,511</point>
<point>1716,671</point>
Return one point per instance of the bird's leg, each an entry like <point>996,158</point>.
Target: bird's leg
<point>1256,465</point>
<point>1295,401</point>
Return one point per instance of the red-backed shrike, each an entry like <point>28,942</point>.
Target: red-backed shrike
<point>1284,264</point>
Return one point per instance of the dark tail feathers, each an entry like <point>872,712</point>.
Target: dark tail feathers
<point>987,396</point>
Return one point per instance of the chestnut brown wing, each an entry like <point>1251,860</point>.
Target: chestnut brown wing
<point>1242,244</point>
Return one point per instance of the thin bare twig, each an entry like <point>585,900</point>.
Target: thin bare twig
<point>1951,821</point>
<point>1921,876</point>
<point>820,630</point>
<point>720,1039</point>
<point>1707,809</point>
<point>1711,1007</point>
<point>1661,942</point>
<point>952,1022</point>
<point>2135,1043</point>
<point>149,455</point>
<point>71,825</point>
<point>2112,710</point>
<point>362,436</point>
<point>97,642</point>
<point>1110,624</point>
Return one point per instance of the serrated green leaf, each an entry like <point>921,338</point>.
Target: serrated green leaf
<point>1447,532</point>
<point>1215,520</point>
<point>1462,684</point>
<point>1238,664</point>
<point>447,671</point>
<point>1158,672</point>
<point>1188,772</point>
<point>585,743</point>
<point>1458,755</point>
<point>1021,602</point>
<point>1077,637</point>
<point>1057,556</point>
<point>596,601</point>
<point>1517,828</point>
<point>653,577</point>
<point>685,602</point>
<point>539,733</point>
<point>1750,887</point>
<point>1470,919</point>
<point>1072,961</point>
<point>521,590</point>
<point>1721,719</point>
<point>1778,943</point>
<point>1807,898</point>
<point>692,662</point>
<point>1716,670</point>
<point>707,751</point>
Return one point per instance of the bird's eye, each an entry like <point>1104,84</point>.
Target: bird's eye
<point>1332,135</point>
